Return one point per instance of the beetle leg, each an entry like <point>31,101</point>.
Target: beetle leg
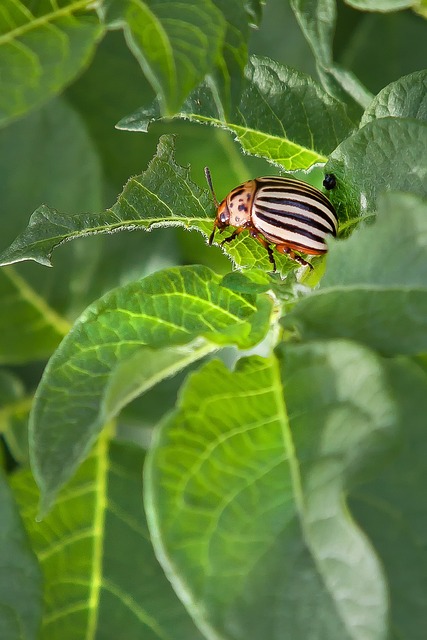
<point>233,235</point>
<point>254,233</point>
<point>282,248</point>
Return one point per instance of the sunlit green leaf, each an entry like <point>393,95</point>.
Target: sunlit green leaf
<point>294,133</point>
<point>20,578</point>
<point>81,388</point>
<point>91,591</point>
<point>163,195</point>
<point>245,506</point>
<point>43,46</point>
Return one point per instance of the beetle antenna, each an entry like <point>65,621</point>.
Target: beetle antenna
<point>209,181</point>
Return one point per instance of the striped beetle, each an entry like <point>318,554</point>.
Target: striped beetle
<point>287,213</point>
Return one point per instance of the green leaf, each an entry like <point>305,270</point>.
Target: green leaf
<point>162,196</point>
<point>293,133</point>
<point>175,43</point>
<point>405,98</point>
<point>29,329</point>
<point>392,506</point>
<point>380,5</point>
<point>317,20</point>
<point>20,578</point>
<point>82,389</point>
<point>388,154</point>
<point>43,46</point>
<point>99,568</point>
<point>375,286</point>
<point>244,493</point>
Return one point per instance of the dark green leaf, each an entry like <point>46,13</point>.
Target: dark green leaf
<point>385,155</point>
<point>176,43</point>
<point>380,5</point>
<point>405,98</point>
<point>244,495</point>
<point>29,329</point>
<point>14,410</point>
<point>375,287</point>
<point>183,307</point>
<point>20,579</point>
<point>43,46</point>
<point>101,576</point>
<point>293,133</point>
<point>317,20</point>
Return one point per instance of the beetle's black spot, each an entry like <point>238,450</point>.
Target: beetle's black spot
<point>248,196</point>
<point>330,181</point>
<point>242,207</point>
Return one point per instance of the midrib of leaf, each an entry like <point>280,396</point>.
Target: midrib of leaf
<point>298,491</point>
<point>27,293</point>
<point>287,439</point>
<point>46,19</point>
<point>167,48</point>
<point>98,531</point>
<point>242,131</point>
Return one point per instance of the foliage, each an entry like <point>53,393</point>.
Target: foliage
<point>194,447</point>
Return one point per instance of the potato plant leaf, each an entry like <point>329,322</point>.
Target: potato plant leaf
<point>162,196</point>
<point>387,154</point>
<point>165,321</point>
<point>317,19</point>
<point>405,98</point>
<point>91,592</point>
<point>176,43</point>
<point>294,133</point>
<point>375,287</point>
<point>391,506</point>
<point>45,45</point>
<point>244,493</point>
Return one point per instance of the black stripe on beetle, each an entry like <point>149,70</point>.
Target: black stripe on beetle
<point>284,212</point>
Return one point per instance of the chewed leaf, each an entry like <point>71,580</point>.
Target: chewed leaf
<point>294,133</point>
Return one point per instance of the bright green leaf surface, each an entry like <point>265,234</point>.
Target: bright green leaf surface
<point>405,98</point>
<point>162,196</point>
<point>101,576</point>
<point>392,507</point>
<point>389,154</point>
<point>29,329</point>
<point>244,495</point>
<point>375,286</point>
<point>168,309</point>
<point>20,579</point>
<point>43,46</point>
<point>294,133</point>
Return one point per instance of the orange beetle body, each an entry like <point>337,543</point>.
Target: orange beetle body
<point>287,213</point>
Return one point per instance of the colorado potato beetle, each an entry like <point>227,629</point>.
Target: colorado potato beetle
<point>286,213</point>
